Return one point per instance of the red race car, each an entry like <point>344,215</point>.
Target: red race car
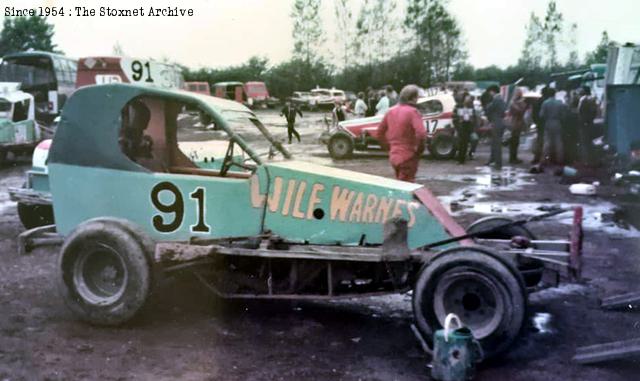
<point>361,134</point>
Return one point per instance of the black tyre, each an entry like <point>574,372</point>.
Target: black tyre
<point>443,147</point>
<point>531,269</point>
<point>107,272</point>
<point>486,293</point>
<point>340,147</point>
<point>35,215</point>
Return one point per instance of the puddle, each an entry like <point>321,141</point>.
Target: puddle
<point>542,323</point>
<point>487,180</point>
<point>6,205</point>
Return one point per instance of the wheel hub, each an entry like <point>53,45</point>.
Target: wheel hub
<point>474,297</point>
<point>100,275</point>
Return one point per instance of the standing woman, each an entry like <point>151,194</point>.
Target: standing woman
<point>516,111</point>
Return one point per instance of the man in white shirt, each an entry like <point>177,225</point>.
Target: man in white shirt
<point>384,102</point>
<point>360,108</point>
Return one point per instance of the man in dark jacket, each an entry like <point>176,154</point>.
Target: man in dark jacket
<point>538,149</point>
<point>289,111</point>
<point>587,112</point>
<point>495,113</point>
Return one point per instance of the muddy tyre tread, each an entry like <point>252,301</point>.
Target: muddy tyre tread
<point>485,262</point>
<point>134,249</point>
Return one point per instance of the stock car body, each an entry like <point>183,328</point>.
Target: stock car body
<point>19,131</point>
<point>263,227</point>
<point>361,134</point>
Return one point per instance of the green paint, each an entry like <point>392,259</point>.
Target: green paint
<point>90,177</point>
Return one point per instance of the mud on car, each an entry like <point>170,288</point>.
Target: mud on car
<point>130,207</point>
<point>362,134</point>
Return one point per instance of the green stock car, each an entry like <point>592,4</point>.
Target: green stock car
<point>131,206</point>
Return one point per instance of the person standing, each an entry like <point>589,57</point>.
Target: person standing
<point>372,100</point>
<point>553,112</point>
<point>516,111</point>
<point>464,120</point>
<point>338,114</point>
<point>289,111</point>
<point>538,149</point>
<point>385,102</point>
<point>587,112</point>
<point>495,113</point>
<point>360,108</point>
<point>402,133</point>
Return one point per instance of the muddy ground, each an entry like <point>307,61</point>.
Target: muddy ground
<point>188,334</point>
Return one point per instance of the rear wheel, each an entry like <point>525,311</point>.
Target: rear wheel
<point>340,147</point>
<point>531,269</point>
<point>106,271</point>
<point>485,292</point>
<point>443,147</point>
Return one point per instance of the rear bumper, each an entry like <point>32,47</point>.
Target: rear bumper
<point>29,196</point>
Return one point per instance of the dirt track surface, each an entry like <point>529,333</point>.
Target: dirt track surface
<point>188,334</point>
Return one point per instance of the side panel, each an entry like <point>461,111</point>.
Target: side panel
<point>81,193</point>
<point>322,209</point>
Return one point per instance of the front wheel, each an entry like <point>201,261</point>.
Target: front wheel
<point>486,293</point>
<point>340,147</point>
<point>443,147</point>
<point>106,271</point>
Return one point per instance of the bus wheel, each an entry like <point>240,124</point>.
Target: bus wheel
<point>106,271</point>
<point>486,293</point>
<point>340,147</point>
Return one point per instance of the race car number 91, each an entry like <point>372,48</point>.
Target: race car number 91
<point>165,224</point>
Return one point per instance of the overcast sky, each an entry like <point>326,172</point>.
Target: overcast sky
<point>228,32</point>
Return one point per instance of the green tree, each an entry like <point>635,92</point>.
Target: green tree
<point>345,29</point>
<point>307,30</point>
<point>552,30</point>
<point>532,50</point>
<point>599,55</point>
<point>23,33</point>
<point>436,40</point>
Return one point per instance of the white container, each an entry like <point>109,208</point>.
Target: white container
<point>583,189</point>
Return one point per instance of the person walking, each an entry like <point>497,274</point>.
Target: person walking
<point>516,111</point>
<point>464,120</point>
<point>587,112</point>
<point>552,113</point>
<point>289,111</point>
<point>402,133</point>
<point>360,108</point>
<point>494,111</point>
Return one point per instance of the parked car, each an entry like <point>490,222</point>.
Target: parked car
<point>303,100</point>
<point>19,131</point>
<point>251,94</point>
<point>361,134</point>
<point>322,99</point>
<point>198,87</point>
<point>266,227</point>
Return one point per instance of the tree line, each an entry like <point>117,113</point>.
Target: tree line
<point>377,43</point>
<point>396,42</point>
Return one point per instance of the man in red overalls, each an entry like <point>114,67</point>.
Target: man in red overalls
<point>402,133</point>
